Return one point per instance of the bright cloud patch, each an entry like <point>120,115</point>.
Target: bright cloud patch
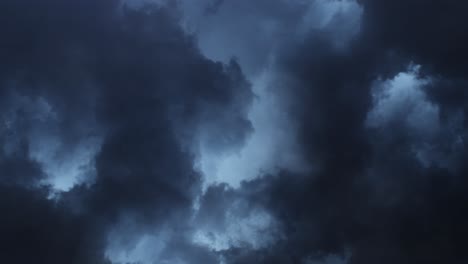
<point>402,101</point>
<point>65,168</point>
<point>271,146</point>
<point>340,18</point>
<point>404,97</point>
<point>253,230</point>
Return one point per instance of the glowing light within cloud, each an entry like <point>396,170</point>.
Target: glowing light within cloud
<point>272,145</point>
<point>321,13</point>
<point>64,163</point>
<point>402,100</point>
<point>65,168</point>
<point>255,230</point>
<point>403,95</point>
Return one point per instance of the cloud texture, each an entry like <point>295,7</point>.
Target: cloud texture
<point>305,131</point>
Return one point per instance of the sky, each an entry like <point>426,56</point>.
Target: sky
<point>233,131</point>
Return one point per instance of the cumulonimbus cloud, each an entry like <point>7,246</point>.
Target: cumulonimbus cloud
<point>318,131</point>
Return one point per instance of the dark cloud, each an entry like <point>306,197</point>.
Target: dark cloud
<point>122,98</point>
<point>213,7</point>
<point>371,195</point>
<point>248,30</point>
<point>432,34</point>
<point>132,79</point>
<point>36,230</point>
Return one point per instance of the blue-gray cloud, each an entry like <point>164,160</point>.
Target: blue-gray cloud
<point>318,131</point>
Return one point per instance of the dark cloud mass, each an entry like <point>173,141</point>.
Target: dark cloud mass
<point>115,115</point>
<point>129,77</point>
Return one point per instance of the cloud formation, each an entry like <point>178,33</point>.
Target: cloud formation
<point>318,131</point>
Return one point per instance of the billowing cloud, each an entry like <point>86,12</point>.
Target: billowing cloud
<point>305,131</point>
<point>101,101</point>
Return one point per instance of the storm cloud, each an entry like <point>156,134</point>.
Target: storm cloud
<point>318,131</point>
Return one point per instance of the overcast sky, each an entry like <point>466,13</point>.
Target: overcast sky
<point>233,131</point>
